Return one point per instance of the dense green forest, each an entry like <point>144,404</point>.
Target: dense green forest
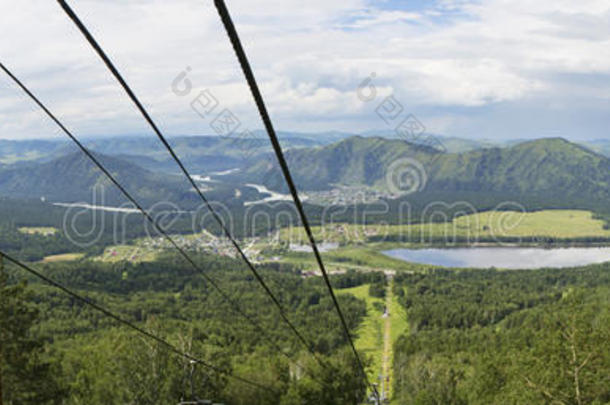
<point>518,337</point>
<point>475,336</point>
<point>55,350</point>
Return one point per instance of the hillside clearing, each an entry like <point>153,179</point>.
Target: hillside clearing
<point>134,254</point>
<point>65,257</point>
<point>40,230</point>
<point>369,340</point>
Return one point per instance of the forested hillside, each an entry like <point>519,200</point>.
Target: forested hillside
<point>553,167</point>
<point>94,361</point>
<point>489,337</point>
<point>74,177</point>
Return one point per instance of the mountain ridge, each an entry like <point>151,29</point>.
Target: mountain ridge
<point>74,178</point>
<point>550,165</point>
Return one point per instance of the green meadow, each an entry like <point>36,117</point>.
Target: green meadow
<point>485,226</point>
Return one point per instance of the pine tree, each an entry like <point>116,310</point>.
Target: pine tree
<point>24,377</point>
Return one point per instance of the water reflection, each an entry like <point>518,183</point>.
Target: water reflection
<point>503,257</point>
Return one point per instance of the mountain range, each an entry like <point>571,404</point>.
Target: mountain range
<point>222,153</point>
<point>202,152</point>
<point>553,168</point>
<point>74,178</point>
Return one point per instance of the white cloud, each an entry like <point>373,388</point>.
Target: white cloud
<point>308,56</point>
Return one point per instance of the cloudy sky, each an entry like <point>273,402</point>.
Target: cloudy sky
<point>491,69</point>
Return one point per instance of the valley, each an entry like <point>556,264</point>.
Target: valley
<point>305,203</point>
<point>333,173</point>
<point>381,295</point>
<point>394,304</point>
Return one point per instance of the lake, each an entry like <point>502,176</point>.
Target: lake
<point>504,257</point>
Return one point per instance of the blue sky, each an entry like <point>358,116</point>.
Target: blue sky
<point>493,69</point>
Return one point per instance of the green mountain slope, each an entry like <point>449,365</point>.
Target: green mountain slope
<point>73,178</point>
<point>547,166</point>
<point>353,161</point>
<point>552,165</point>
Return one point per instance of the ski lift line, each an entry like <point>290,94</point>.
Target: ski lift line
<point>92,41</point>
<point>262,109</point>
<point>128,195</point>
<point>149,218</point>
<point>129,324</point>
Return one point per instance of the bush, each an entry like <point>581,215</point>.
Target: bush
<point>377,290</point>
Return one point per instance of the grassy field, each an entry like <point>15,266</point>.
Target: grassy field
<point>360,257</point>
<point>398,316</point>
<point>366,256</point>
<point>41,230</point>
<point>369,339</point>
<point>399,319</point>
<point>491,225</point>
<point>132,253</point>
<point>370,334</point>
<point>66,257</point>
